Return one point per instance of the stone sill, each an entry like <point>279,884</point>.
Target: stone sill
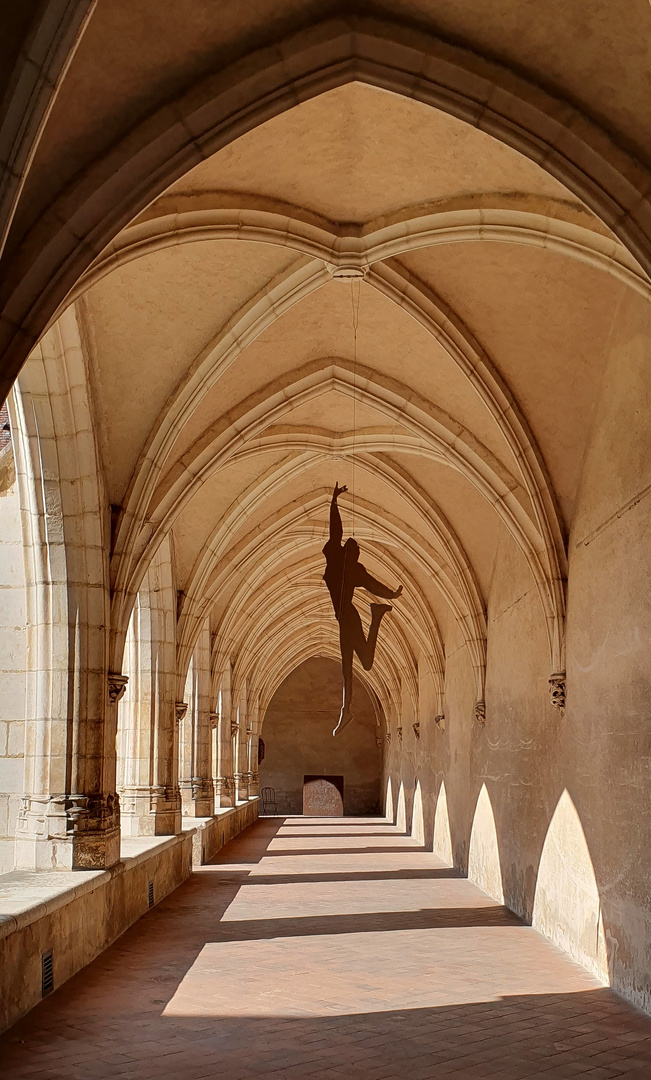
<point>28,895</point>
<point>222,812</point>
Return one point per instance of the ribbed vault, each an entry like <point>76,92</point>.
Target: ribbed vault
<point>300,349</point>
<point>334,353</point>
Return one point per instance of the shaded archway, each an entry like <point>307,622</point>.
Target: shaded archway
<point>567,907</point>
<point>389,811</point>
<point>484,855</point>
<point>401,808</point>
<point>417,816</point>
<point>442,845</point>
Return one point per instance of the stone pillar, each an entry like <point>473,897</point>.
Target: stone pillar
<point>148,731</point>
<point>254,738</point>
<point>69,814</point>
<point>240,749</point>
<point>223,780</point>
<point>196,782</point>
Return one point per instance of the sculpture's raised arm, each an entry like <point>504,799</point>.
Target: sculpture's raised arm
<point>336,528</point>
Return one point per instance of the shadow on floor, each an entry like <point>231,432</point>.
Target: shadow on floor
<point>549,1036</point>
<point>245,878</point>
<point>361,850</point>
<point>122,1016</point>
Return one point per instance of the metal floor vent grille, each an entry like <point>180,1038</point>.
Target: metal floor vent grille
<point>47,973</point>
<point>151,894</point>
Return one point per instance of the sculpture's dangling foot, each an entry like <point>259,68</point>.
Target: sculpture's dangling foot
<point>345,718</point>
<point>378,610</point>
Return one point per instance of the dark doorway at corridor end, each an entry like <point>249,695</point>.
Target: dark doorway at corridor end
<point>298,740</point>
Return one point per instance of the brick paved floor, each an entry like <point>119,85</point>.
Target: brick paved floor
<point>330,948</point>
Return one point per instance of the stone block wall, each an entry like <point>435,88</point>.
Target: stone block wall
<point>13,657</point>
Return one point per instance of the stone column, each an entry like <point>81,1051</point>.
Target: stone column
<point>69,814</point>
<point>254,738</point>
<point>148,738</point>
<point>194,755</point>
<point>223,780</point>
<point>240,749</point>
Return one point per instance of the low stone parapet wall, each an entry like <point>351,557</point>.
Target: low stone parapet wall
<point>210,834</point>
<point>77,914</point>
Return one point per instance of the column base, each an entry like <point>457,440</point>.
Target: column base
<point>68,832</point>
<point>150,811</point>
<point>224,789</point>
<point>241,787</point>
<point>196,797</point>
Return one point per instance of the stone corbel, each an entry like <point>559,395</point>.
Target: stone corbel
<point>378,742</point>
<point>214,719</point>
<point>416,728</point>
<point>480,712</point>
<point>399,733</point>
<point>388,737</point>
<point>557,689</point>
<point>439,720</point>
<point>235,727</point>
<point>180,709</point>
<point>117,684</point>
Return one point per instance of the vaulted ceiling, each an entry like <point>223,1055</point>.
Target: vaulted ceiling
<point>360,286</point>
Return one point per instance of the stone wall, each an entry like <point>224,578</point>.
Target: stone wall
<point>550,811</point>
<point>297,733</point>
<point>13,657</point>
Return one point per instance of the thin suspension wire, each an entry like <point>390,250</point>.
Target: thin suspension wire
<point>354,300</point>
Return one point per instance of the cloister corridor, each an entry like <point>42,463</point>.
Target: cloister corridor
<point>335,948</point>
<point>325,519</point>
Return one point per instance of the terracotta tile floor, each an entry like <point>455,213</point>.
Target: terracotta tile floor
<point>330,948</point>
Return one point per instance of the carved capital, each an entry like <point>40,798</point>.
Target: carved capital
<point>378,742</point>
<point>480,712</point>
<point>180,709</point>
<point>416,728</point>
<point>117,684</point>
<point>388,736</point>
<point>557,690</point>
<point>235,727</point>
<point>399,733</point>
<point>440,719</point>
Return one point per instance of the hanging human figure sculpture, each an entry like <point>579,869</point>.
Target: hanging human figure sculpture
<point>344,573</point>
